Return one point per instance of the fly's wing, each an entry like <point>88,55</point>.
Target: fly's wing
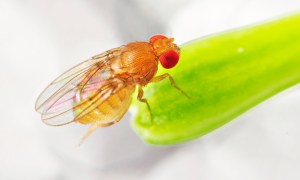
<point>89,82</point>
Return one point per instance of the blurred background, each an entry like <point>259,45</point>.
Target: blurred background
<point>41,39</point>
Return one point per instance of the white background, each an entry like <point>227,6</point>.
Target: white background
<point>41,39</point>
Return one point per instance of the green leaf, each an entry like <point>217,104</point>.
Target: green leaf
<point>225,74</point>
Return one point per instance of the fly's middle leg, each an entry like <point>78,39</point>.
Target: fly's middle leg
<point>141,99</point>
<point>164,76</point>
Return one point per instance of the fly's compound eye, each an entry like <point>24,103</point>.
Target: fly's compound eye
<point>156,37</point>
<point>169,59</point>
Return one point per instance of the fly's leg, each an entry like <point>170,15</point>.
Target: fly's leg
<point>141,99</point>
<point>91,129</point>
<point>96,125</point>
<point>164,76</point>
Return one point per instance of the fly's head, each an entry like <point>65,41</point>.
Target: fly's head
<point>166,51</point>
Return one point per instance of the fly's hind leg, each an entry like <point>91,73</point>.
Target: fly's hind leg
<point>141,99</point>
<point>97,124</point>
<point>164,76</point>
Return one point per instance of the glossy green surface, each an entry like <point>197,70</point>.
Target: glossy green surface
<point>226,74</point>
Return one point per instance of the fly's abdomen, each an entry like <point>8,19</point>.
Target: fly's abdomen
<point>107,110</point>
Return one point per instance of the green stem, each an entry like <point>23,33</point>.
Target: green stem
<point>226,75</point>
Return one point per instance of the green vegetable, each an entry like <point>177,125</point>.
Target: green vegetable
<point>225,74</point>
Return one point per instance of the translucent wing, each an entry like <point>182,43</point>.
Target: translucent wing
<point>89,82</point>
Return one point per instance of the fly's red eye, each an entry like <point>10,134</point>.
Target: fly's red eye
<point>156,37</point>
<point>169,59</point>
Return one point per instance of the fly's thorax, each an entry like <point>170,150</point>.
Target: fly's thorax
<point>137,63</point>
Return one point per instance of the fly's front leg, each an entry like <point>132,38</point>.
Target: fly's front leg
<point>164,76</point>
<point>141,99</point>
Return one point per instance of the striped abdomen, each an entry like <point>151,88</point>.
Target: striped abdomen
<point>106,110</point>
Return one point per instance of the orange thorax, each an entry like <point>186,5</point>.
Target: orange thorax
<point>136,63</point>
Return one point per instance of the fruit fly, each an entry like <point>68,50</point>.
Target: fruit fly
<point>98,91</point>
